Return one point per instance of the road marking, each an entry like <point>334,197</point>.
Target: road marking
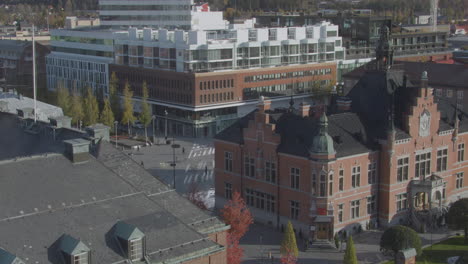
<point>190,154</point>
<point>188,178</point>
<point>204,152</point>
<point>187,168</point>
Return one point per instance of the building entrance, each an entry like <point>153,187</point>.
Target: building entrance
<point>322,230</point>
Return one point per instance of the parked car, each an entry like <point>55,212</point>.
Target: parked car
<point>138,124</point>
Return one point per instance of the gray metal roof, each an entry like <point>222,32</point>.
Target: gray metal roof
<point>14,102</point>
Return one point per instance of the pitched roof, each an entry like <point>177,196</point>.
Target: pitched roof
<point>440,75</point>
<point>346,129</point>
<point>44,197</point>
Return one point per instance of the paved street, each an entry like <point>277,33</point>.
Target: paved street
<point>261,240</point>
<point>194,163</point>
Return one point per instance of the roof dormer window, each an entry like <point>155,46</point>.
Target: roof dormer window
<point>135,249</point>
<point>81,258</point>
<point>73,251</point>
<point>131,241</point>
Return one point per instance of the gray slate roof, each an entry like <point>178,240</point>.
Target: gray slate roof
<point>44,197</point>
<point>346,129</point>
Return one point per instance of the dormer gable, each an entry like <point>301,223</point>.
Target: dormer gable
<point>74,251</point>
<point>8,258</point>
<point>131,240</point>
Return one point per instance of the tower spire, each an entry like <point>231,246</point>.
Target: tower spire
<point>384,49</point>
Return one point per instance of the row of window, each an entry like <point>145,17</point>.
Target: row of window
<point>144,7</point>
<point>423,163</point>
<point>287,75</point>
<point>145,18</point>
<point>217,97</point>
<point>270,173</point>
<point>448,93</point>
<point>216,84</point>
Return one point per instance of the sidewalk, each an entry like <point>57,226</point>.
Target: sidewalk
<point>262,240</point>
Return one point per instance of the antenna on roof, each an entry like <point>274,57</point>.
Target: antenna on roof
<point>34,72</point>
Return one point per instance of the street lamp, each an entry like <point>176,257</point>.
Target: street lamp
<point>154,119</point>
<point>165,127</point>
<point>115,127</point>
<point>173,164</point>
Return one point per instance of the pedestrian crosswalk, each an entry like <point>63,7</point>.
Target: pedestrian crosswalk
<point>198,177</point>
<point>199,150</point>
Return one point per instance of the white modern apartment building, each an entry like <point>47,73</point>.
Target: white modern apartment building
<point>205,75</point>
<point>228,49</point>
<point>171,14</point>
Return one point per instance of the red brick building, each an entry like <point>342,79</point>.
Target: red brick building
<point>388,153</point>
<point>203,104</point>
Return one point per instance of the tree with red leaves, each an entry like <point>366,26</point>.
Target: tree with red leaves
<point>236,214</point>
<point>195,196</point>
<point>288,258</point>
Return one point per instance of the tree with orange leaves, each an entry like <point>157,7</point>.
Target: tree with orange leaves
<point>236,214</point>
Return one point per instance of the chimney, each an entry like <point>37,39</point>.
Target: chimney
<point>304,109</point>
<point>98,132</point>
<point>77,150</point>
<point>344,104</point>
<point>264,105</point>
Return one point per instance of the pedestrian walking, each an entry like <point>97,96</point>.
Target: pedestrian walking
<point>206,169</point>
<point>183,150</point>
<point>142,164</point>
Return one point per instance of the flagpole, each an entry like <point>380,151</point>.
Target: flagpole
<point>34,72</point>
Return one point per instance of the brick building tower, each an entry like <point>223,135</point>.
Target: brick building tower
<point>388,153</point>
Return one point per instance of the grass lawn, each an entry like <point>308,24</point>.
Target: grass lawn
<point>438,253</point>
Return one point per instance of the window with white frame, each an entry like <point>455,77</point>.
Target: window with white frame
<point>295,174</point>
<point>249,165</point>
<point>323,185</point>
<point>371,204</point>
<point>294,209</point>
<point>314,183</point>
<point>459,182</point>
<point>401,202</point>
<point>136,249</point>
<point>438,92</point>
<point>330,185</point>
<point>341,180</point>
<point>461,152</point>
<point>460,94</point>
<point>270,171</point>
<point>372,173</point>
<point>270,203</point>
<point>356,176</point>
<point>340,213</point>
<point>228,190</point>
<point>402,169</point>
<point>355,209</point>
<point>227,161</point>
<point>442,159</point>
<point>449,93</point>
<point>249,197</point>
<point>423,165</point>
<point>81,258</point>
